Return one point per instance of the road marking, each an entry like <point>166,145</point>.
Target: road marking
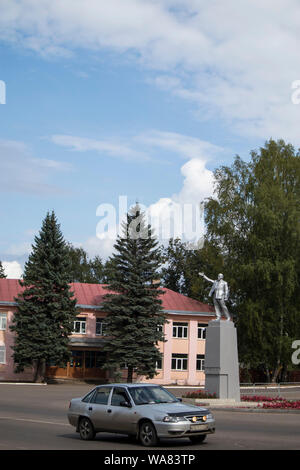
<point>34,421</point>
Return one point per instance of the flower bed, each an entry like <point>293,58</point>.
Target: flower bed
<point>273,402</point>
<point>260,398</point>
<point>283,404</point>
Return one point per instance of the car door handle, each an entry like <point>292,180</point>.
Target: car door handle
<point>90,408</point>
<point>108,411</point>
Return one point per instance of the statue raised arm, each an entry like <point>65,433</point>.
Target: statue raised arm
<point>205,277</point>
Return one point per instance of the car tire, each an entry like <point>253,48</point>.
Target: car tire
<point>147,434</point>
<point>198,439</point>
<point>86,429</point>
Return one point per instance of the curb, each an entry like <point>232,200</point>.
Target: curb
<point>22,383</point>
<point>256,410</point>
<point>242,407</point>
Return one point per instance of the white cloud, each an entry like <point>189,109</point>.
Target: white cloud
<point>112,148</point>
<point>181,215</point>
<point>178,215</point>
<point>20,172</point>
<point>12,269</point>
<point>141,147</point>
<point>51,164</point>
<point>235,60</point>
<point>101,247</point>
<point>185,146</point>
<point>20,249</point>
<point>198,181</point>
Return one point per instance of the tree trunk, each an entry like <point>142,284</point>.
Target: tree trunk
<point>40,370</point>
<point>268,375</point>
<point>130,374</point>
<point>276,373</point>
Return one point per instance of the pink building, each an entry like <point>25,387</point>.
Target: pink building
<point>183,352</point>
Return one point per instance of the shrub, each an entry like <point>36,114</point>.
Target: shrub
<point>199,394</point>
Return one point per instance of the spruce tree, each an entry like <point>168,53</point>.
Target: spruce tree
<point>135,318</point>
<point>45,309</point>
<point>2,272</point>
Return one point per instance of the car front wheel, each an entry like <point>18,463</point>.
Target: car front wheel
<point>86,429</point>
<point>147,434</point>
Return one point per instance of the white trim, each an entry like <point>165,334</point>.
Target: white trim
<point>3,319</point>
<point>4,353</point>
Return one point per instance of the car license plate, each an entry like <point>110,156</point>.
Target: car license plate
<point>198,427</point>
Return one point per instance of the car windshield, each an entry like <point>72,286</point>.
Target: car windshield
<point>146,395</point>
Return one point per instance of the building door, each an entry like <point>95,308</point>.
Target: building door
<point>76,368</point>
<point>83,364</point>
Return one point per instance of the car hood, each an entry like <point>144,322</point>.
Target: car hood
<point>173,408</point>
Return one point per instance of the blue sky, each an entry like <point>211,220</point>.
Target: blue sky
<point>143,98</point>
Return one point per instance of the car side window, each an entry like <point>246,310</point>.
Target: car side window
<point>101,396</point>
<point>119,395</point>
<point>88,397</point>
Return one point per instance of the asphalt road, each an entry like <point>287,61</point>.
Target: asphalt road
<point>33,417</point>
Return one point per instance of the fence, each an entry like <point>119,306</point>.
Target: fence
<point>289,390</point>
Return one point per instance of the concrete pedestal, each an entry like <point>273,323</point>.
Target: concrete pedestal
<point>221,360</point>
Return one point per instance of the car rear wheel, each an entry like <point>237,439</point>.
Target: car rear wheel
<point>86,429</point>
<point>147,434</point>
<point>198,439</point>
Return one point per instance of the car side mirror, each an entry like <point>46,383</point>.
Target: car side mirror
<point>126,404</point>
<point>179,399</point>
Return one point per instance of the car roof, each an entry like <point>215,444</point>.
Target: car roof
<point>129,385</point>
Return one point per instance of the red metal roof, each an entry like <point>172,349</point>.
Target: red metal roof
<point>92,295</point>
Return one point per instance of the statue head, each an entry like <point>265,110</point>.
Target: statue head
<point>220,276</point>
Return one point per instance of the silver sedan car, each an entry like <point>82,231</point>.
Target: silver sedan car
<point>148,412</point>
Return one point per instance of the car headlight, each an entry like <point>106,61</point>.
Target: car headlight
<point>171,419</point>
<point>209,416</point>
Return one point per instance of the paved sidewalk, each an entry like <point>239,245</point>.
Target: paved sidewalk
<point>221,403</point>
<point>232,405</point>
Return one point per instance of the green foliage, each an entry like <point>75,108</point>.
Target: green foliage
<point>255,222</point>
<point>182,265</point>
<point>175,259</point>
<point>2,272</point>
<point>45,310</point>
<point>83,269</point>
<point>134,313</point>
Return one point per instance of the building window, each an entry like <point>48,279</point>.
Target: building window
<point>180,330</point>
<point>100,327</point>
<point>200,362</point>
<point>201,331</point>
<point>2,354</point>
<point>93,359</point>
<point>158,365</point>
<point>2,321</point>
<point>76,359</point>
<point>80,326</point>
<point>179,361</point>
